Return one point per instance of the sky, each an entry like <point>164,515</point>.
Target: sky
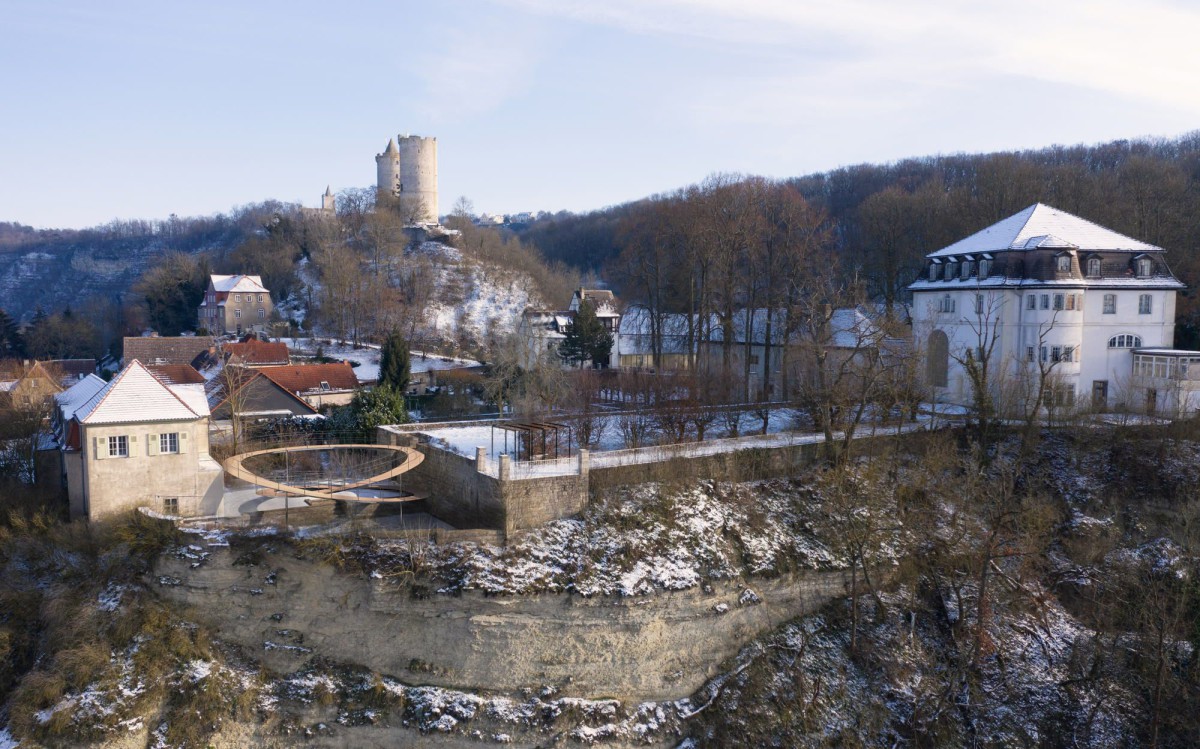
<point>141,109</point>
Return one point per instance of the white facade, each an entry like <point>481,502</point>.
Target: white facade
<point>1044,292</point>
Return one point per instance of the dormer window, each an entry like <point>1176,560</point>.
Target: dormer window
<point>1093,267</point>
<point>1143,266</point>
<point>951,270</point>
<point>985,267</point>
<point>1062,263</point>
<point>934,267</point>
<point>966,268</point>
<point>324,385</point>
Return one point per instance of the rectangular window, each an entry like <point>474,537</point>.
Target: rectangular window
<point>168,443</point>
<point>1058,301</point>
<point>237,297</point>
<point>1068,353</point>
<point>979,304</point>
<point>171,505</point>
<point>1071,301</point>
<point>260,297</point>
<point>262,314</point>
<point>1045,301</point>
<point>1029,353</point>
<point>1031,301</point>
<point>237,313</point>
<point>1110,304</point>
<point>1145,304</point>
<point>118,447</point>
<point>1043,353</point>
<point>1056,353</point>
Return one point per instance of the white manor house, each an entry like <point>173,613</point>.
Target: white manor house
<point>1051,297</point>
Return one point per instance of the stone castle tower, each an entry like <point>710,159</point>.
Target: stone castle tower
<point>328,201</point>
<point>409,172</point>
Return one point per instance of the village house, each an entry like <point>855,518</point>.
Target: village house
<point>541,332</point>
<point>318,385</point>
<point>253,352</point>
<point>156,349</point>
<point>248,395</point>
<point>1054,299</point>
<point>136,442</point>
<point>176,374</point>
<point>234,305</point>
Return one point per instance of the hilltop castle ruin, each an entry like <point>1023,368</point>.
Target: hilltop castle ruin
<point>407,170</point>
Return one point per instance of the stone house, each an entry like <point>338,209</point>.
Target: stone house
<point>235,305</point>
<point>28,384</point>
<point>136,442</point>
<point>1057,301</point>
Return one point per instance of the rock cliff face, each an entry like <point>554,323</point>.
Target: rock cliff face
<point>633,648</point>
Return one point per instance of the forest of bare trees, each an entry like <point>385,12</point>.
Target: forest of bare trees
<point>882,219</point>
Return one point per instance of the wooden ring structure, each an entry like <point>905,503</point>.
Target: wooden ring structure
<point>412,458</point>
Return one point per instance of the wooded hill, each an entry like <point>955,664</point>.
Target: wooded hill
<point>884,218</point>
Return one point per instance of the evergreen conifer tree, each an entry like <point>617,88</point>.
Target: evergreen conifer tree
<point>585,338</point>
<point>394,369</point>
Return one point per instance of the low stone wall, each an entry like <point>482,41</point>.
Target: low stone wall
<point>657,647</point>
<point>466,497</point>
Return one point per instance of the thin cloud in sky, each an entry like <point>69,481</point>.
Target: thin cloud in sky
<point>1138,50</point>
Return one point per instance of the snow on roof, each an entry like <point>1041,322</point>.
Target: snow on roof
<point>193,396</point>
<point>136,395</point>
<point>238,283</point>
<point>956,284</point>
<point>78,394</point>
<point>1040,226</point>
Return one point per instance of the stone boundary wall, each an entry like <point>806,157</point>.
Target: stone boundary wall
<point>463,494</point>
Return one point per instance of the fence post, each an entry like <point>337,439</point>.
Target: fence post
<point>481,459</point>
<point>505,467</point>
<point>585,462</point>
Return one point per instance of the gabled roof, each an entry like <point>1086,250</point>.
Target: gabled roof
<point>136,395</point>
<point>255,352</point>
<point>248,380</point>
<point>1041,226</point>
<point>69,400</point>
<point>72,369</point>
<point>237,283</point>
<point>176,374</point>
<point>166,350</point>
<point>303,378</point>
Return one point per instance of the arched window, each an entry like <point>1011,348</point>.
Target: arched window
<point>1125,340</point>
<point>966,268</point>
<point>985,267</point>
<point>933,271</point>
<point>1144,267</point>
<point>1063,263</point>
<point>938,363</point>
<point>1093,267</point>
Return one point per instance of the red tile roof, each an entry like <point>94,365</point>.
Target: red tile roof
<point>256,353</point>
<point>303,378</point>
<point>176,374</point>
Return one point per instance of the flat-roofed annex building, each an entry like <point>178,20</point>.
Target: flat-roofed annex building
<point>1049,296</point>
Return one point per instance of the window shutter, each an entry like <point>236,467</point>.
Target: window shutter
<point>182,442</point>
<point>152,444</point>
<point>100,447</point>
